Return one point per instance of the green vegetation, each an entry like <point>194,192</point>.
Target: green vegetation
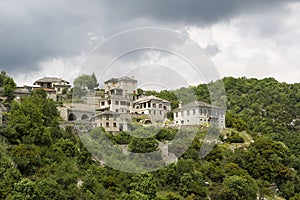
<point>260,154</point>
<point>8,86</point>
<point>83,83</point>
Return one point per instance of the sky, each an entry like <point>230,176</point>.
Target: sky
<point>257,38</point>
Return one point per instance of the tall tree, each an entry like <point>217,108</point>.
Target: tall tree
<point>86,81</point>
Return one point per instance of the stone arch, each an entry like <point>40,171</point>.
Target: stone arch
<point>147,122</point>
<point>84,117</point>
<point>72,117</point>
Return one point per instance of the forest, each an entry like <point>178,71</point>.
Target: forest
<point>257,156</point>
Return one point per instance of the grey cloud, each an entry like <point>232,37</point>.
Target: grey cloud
<point>33,31</point>
<point>212,49</point>
<point>199,12</point>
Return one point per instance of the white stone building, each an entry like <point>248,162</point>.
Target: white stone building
<point>155,108</point>
<point>113,111</point>
<point>118,107</point>
<point>199,113</point>
<point>111,121</point>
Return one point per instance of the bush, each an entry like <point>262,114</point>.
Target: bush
<point>235,138</point>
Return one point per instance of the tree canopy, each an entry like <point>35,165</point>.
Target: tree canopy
<point>256,157</point>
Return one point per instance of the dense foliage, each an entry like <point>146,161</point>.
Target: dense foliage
<point>258,156</point>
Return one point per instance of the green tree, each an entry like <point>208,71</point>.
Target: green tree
<point>238,187</point>
<point>145,183</point>
<point>86,81</point>
<point>143,145</point>
<point>24,190</point>
<point>9,87</point>
<point>3,76</point>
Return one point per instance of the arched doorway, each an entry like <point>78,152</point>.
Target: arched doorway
<point>72,117</point>
<point>147,122</point>
<point>84,117</point>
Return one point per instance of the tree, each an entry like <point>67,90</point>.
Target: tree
<point>143,145</point>
<point>29,121</point>
<point>86,81</point>
<point>27,158</point>
<point>3,76</point>
<point>24,190</point>
<point>145,183</point>
<point>238,187</point>
<point>9,87</point>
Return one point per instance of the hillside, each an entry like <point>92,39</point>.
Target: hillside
<point>257,156</point>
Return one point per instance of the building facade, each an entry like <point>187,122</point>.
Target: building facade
<point>120,105</point>
<point>53,86</point>
<point>199,113</point>
<point>155,108</point>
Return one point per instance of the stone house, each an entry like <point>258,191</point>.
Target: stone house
<point>154,107</point>
<point>111,121</point>
<point>120,105</point>
<point>53,86</point>
<point>113,111</point>
<point>199,113</point>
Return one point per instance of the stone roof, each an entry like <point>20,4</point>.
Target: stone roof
<point>123,78</point>
<point>149,98</point>
<point>107,112</point>
<point>198,104</point>
<point>50,80</point>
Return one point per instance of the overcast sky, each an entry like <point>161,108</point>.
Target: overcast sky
<point>255,38</point>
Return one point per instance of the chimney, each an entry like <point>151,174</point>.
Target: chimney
<point>180,104</point>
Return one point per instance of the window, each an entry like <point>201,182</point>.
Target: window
<point>188,113</point>
<point>107,117</point>
<point>149,111</point>
<point>176,114</point>
<point>128,103</point>
<point>102,103</point>
<point>154,105</point>
<point>117,102</point>
<point>119,92</point>
<point>107,124</point>
<point>160,112</point>
<point>154,112</point>
<point>182,114</point>
<point>194,111</point>
<point>117,110</point>
<point>160,106</point>
<point>123,103</point>
<point>115,124</point>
